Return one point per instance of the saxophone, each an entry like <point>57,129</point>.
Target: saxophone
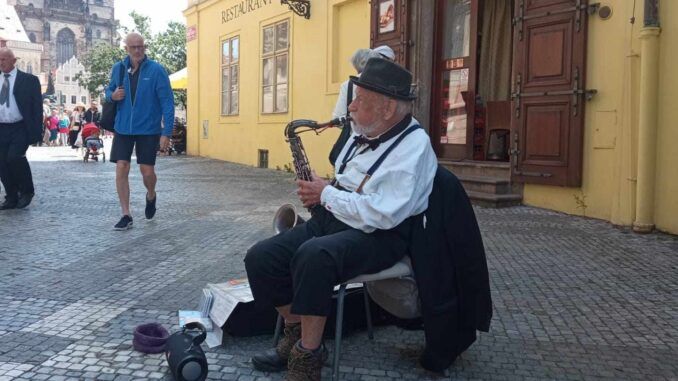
<point>287,217</point>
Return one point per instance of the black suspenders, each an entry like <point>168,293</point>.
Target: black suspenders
<point>377,164</point>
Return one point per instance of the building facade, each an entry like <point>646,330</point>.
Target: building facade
<point>13,36</point>
<point>67,28</point>
<point>572,99</point>
<point>68,91</point>
<point>254,66</point>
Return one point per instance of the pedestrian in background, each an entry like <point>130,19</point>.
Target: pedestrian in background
<point>53,127</point>
<point>145,93</point>
<point>20,125</point>
<point>76,124</point>
<point>64,125</point>
<point>92,114</point>
<point>346,93</point>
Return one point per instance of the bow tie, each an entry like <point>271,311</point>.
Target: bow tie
<point>372,143</point>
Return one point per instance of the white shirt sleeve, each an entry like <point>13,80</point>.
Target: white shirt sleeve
<point>340,106</point>
<point>399,189</point>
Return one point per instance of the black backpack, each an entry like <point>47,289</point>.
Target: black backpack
<point>109,108</point>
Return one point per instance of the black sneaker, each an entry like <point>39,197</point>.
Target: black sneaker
<point>150,207</point>
<point>125,223</point>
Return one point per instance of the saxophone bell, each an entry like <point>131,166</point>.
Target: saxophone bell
<point>286,218</point>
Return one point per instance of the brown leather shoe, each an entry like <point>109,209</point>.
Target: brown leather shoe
<point>305,365</point>
<point>275,359</point>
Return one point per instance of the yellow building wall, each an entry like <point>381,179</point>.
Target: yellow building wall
<point>666,201</point>
<point>611,124</point>
<point>320,49</point>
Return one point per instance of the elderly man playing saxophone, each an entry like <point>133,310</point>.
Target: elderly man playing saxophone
<point>360,224</point>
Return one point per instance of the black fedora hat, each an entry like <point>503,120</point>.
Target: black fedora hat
<point>385,77</point>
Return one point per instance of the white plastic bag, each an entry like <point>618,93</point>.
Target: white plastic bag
<point>78,140</point>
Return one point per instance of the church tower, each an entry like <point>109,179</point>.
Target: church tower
<point>67,28</point>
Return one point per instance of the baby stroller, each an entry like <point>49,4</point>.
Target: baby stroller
<point>92,143</point>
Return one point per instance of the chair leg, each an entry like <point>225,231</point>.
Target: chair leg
<point>368,313</point>
<point>337,332</point>
<point>278,329</point>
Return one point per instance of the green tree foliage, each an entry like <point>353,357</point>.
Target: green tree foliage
<point>142,25</point>
<point>167,47</point>
<point>98,64</point>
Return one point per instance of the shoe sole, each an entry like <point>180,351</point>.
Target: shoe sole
<point>264,367</point>
<point>128,227</point>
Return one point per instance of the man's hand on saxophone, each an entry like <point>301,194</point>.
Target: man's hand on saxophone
<point>309,191</point>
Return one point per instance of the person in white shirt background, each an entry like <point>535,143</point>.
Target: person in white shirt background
<point>358,60</point>
<point>360,223</point>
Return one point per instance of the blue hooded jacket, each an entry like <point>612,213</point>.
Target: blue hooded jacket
<point>154,100</point>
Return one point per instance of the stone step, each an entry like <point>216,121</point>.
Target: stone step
<point>485,184</point>
<point>494,200</point>
<point>478,168</point>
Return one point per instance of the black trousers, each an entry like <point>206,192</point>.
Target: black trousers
<point>15,173</point>
<point>72,137</point>
<point>302,265</point>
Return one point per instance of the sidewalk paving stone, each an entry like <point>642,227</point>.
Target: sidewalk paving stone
<point>574,298</point>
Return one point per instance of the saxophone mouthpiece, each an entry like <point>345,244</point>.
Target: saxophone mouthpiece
<point>340,121</point>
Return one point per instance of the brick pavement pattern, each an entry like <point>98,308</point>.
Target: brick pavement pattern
<point>574,298</point>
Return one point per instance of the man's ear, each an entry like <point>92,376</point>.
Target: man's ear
<point>390,108</point>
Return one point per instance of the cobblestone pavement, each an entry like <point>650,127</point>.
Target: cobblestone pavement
<point>574,298</point>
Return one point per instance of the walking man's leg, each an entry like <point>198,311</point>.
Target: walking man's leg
<point>150,179</point>
<point>122,185</point>
<point>20,171</point>
<point>147,151</point>
<point>121,154</point>
<point>11,192</point>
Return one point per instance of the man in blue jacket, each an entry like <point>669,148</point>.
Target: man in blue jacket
<point>144,101</point>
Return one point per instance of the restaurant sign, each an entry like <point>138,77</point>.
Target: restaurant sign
<point>244,6</point>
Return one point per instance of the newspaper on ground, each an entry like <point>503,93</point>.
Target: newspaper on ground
<point>225,298</point>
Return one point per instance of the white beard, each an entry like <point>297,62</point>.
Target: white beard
<point>366,130</point>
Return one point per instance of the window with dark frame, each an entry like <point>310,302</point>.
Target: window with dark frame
<point>74,99</point>
<point>230,62</point>
<point>275,59</point>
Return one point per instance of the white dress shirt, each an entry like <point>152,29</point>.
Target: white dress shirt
<point>397,190</point>
<point>11,114</point>
<point>341,106</point>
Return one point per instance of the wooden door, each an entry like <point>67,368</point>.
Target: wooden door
<point>548,96</point>
<point>389,26</point>
<point>454,78</point>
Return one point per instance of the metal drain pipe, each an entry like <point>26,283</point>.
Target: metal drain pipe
<point>647,127</point>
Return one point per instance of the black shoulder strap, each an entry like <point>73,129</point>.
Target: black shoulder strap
<point>122,74</point>
<point>383,156</point>
<point>349,97</point>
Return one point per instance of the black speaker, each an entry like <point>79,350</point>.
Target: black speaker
<point>185,357</point>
